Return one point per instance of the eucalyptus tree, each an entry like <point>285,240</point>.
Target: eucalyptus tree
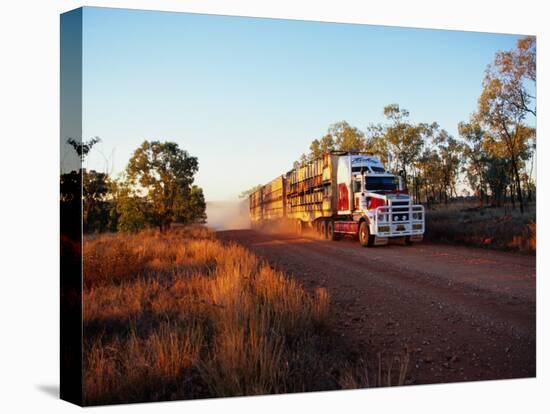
<point>505,105</point>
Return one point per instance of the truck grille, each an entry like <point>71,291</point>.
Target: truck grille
<point>400,211</point>
<point>400,217</point>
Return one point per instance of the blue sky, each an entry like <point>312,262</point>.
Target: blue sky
<point>247,95</point>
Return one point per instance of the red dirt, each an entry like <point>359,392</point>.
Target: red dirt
<point>461,313</point>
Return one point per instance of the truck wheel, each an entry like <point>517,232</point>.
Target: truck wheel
<point>365,238</point>
<point>330,230</point>
<point>323,229</point>
<point>408,240</point>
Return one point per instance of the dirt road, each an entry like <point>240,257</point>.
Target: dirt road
<point>460,313</point>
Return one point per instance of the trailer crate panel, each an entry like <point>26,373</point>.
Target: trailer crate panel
<point>273,206</point>
<point>310,189</point>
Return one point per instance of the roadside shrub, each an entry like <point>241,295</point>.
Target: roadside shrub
<point>484,227</point>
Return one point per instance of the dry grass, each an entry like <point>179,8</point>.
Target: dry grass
<point>181,315</point>
<point>388,371</point>
<point>498,228</point>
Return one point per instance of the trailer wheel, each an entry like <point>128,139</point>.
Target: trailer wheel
<point>365,238</point>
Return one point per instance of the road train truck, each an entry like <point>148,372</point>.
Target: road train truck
<point>340,193</point>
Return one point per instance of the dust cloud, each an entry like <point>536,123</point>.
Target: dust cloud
<point>227,215</point>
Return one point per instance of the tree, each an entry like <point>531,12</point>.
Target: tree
<point>162,174</point>
<point>96,189</point>
<point>497,177</point>
<point>90,187</point>
<point>429,167</point>
<point>340,136</point>
<point>517,71</point>
<point>343,137</point>
<point>131,210</point>
<point>400,142</point>
<point>504,104</point>
<point>318,147</point>
<point>82,148</point>
<point>304,159</point>
<point>196,206</point>
<point>450,151</point>
<point>476,157</point>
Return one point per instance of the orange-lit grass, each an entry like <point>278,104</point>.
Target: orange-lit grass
<point>181,315</point>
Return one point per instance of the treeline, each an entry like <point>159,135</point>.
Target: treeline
<point>493,153</point>
<point>155,190</point>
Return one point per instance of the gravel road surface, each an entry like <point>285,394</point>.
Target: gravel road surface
<point>460,313</point>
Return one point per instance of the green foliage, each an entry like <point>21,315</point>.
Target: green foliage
<point>159,181</point>
<point>346,137</point>
<point>156,190</point>
<point>400,142</point>
<point>516,70</point>
<point>320,146</point>
<point>89,190</point>
<point>196,207</point>
<point>450,152</point>
<point>487,171</point>
<point>472,135</point>
<point>504,105</point>
<point>96,205</point>
<point>496,174</point>
<point>340,136</point>
<point>130,212</point>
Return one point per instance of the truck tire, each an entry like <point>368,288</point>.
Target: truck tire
<point>408,241</point>
<point>330,230</point>
<point>365,238</point>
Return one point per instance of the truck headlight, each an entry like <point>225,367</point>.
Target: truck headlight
<point>417,226</point>
<point>383,229</point>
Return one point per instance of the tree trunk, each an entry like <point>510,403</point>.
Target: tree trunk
<point>481,194</point>
<point>518,185</point>
<point>427,196</point>
<point>416,190</point>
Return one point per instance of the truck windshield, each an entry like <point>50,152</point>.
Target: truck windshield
<point>381,183</point>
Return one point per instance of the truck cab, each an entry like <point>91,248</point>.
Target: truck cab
<point>379,204</point>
